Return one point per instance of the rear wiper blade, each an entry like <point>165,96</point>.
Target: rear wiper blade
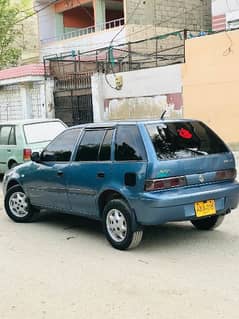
<point>196,151</point>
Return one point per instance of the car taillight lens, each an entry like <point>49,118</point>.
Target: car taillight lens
<point>164,183</point>
<point>226,174</point>
<point>27,152</point>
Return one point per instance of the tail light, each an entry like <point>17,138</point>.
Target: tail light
<point>226,174</point>
<point>164,183</point>
<point>27,152</point>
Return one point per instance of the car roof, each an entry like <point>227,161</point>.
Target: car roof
<point>28,121</point>
<point>128,122</point>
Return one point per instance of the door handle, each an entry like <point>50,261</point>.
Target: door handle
<point>100,175</point>
<point>9,150</point>
<point>60,173</point>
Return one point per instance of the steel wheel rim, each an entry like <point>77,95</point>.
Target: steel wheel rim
<point>18,204</point>
<point>116,225</point>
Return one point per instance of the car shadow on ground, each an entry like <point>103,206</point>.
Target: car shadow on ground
<point>168,236</point>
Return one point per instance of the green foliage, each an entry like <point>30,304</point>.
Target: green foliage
<point>9,16</point>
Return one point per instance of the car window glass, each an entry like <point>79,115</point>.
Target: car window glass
<point>61,148</point>
<point>12,137</point>
<point>105,149</point>
<point>129,145</point>
<point>4,134</point>
<point>89,147</point>
<point>174,140</point>
<point>42,131</point>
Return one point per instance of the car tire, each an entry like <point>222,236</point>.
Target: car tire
<point>208,223</point>
<point>18,206</point>
<point>117,225</point>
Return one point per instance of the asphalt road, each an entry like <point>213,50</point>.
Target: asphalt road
<point>62,267</point>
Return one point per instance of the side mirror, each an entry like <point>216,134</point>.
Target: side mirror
<point>35,157</point>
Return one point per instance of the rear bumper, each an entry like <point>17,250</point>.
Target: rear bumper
<point>156,208</point>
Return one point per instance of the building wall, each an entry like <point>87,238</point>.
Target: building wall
<point>190,14</point>
<point>26,99</point>
<point>210,82</point>
<point>84,43</point>
<point>144,94</point>
<point>78,18</point>
<point>225,14</point>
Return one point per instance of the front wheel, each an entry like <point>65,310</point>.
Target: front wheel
<point>208,222</point>
<point>117,225</point>
<point>17,205</point>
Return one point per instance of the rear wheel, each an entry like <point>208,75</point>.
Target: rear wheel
<point>117,225</point>
<point>208,223</point>
<point>18,206</point>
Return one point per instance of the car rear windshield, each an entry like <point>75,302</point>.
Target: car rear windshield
<point>173,140</point>
<point>42,131</point>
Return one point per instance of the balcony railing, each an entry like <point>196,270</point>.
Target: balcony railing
<point>79,32</point>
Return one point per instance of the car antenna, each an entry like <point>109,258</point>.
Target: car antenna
<point>162,116</point>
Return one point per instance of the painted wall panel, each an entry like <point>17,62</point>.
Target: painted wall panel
<point>211,81</point>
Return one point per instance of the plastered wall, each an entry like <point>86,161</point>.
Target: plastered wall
<point>211,83</point>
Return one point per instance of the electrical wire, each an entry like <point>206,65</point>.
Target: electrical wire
<point>229,49</point>
<point>134,32</point>
<point>158,24</point>
<point>115,36</point>
<point>146,28</point>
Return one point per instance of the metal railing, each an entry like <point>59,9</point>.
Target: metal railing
<point>79,32</point>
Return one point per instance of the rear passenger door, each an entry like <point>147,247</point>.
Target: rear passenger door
<point>7,145</point>
<point>90,171</point>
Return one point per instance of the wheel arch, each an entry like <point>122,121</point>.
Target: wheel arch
<point>11,183</point>
<point>110,194</point>
<point>106,196</point>
<point>10,162</point>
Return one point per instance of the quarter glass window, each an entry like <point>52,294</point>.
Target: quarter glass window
<point>129,145</point>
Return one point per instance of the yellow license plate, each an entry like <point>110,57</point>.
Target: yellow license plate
<point>205,208</point>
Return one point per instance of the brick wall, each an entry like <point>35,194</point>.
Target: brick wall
<point>190,14</point>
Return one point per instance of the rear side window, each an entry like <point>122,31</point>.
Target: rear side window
<point>95,146</point>
<point>7,135</point>
<point>184,139</point>
<point>90,144</point>
<point>42,131</point>
<point>129,145</point>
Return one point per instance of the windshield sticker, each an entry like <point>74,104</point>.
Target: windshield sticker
<point>184,133</point>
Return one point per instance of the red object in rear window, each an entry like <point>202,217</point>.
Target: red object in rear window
<point>27,152</point>
<point>184,133</point>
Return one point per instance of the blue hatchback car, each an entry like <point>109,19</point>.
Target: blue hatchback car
<point>128,175</point>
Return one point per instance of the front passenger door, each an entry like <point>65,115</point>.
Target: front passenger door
<point>46,183</point>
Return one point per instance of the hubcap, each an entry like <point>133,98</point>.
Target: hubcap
<point>18,204</point>
<point>116,225</point>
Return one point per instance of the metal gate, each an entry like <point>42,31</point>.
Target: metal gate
<point>73,108</point>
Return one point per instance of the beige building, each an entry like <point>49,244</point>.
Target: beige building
<point>211,83</point>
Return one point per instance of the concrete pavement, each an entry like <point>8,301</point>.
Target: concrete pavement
<point>62,267</point>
